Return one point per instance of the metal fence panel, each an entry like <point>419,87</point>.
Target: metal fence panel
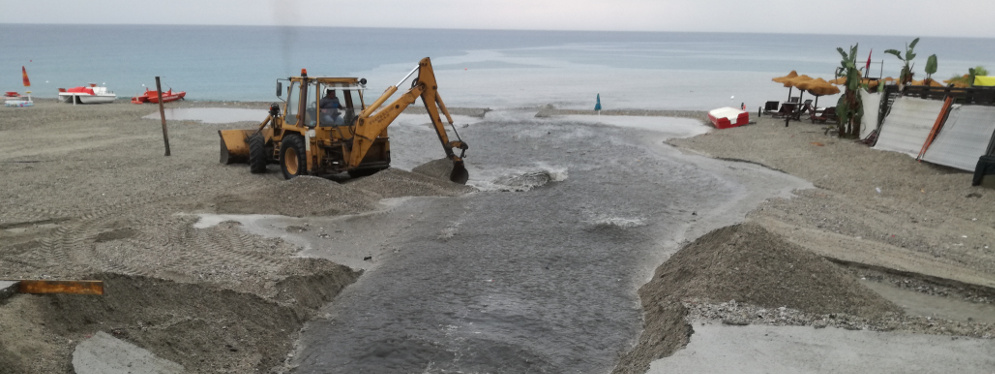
<point>964,137</point>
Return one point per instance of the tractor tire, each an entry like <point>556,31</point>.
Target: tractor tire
<point>293,157</point>
<point>257,154</point>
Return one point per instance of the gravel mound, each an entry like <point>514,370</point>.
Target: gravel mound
<point>749,264</point>
<point>429,179</point>
<point>300,197</point>
<point>313,196</point>
<point>737,265</point>
<point>185,322</point>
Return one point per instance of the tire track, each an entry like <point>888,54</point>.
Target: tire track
<point>151,233</point>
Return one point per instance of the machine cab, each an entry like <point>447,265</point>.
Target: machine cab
<point>323,101</point>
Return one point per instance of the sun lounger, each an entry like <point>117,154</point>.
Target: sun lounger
<point>771,107</point>
<point>814,114</point>
<point>788,110</point>
<point>824,115</point>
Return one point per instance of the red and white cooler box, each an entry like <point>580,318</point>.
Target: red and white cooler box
<point>724,118</point>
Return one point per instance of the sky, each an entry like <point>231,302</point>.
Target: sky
<point>959,18</point>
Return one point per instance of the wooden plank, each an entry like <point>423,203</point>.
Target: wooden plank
<point>94,287</point>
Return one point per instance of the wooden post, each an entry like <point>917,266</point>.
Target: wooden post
<point>162,114</point>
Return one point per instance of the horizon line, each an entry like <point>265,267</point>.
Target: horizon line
<point>492,29</point>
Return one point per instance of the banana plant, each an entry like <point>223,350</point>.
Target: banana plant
<point>906,76</point>
<point>848,108</point>
<point>930,69</point>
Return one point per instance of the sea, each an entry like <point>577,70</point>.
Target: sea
<point>475,68</point>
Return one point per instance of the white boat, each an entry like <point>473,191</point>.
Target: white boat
<point>91,94</point>
<point>15,99</point>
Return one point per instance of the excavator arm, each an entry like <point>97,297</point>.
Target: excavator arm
<point>371,121</point>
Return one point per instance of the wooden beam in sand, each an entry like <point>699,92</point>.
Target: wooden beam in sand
<point>90,287</point>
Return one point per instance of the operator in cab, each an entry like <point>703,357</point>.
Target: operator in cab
<point>330,107</point>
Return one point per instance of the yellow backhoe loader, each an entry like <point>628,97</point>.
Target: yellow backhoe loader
<point>309,138</point>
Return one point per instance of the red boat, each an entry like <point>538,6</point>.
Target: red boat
<point>153,96</point>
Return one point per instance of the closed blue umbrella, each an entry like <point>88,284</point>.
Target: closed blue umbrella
<point>597,107</point>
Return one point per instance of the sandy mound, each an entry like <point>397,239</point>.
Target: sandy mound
<point>398,183</point>
<point>203,328</point>
<point>299,197</point>
<point>748,264</point>
<point>314,196</point>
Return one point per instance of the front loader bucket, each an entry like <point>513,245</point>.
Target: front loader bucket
<point>234,147</point>
<point>459,174</point>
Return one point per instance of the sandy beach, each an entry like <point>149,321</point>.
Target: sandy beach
<point>88,194</point>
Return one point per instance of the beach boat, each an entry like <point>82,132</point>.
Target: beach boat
<point>91,94</point>
<point>141,99</point>
<point>13,96</point>
<point>167,96</point>
<point>15,99</point>
<point>151,96</point>
<point>724,118</point>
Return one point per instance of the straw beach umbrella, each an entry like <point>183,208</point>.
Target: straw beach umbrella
<point>785,81</point>
<point>794,82</point>
<point>790,75</point>
<point>818,87</point>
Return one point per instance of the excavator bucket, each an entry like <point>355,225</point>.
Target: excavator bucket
<point>459,174</point>
<point>235,144</point>
<point>234,147</point>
